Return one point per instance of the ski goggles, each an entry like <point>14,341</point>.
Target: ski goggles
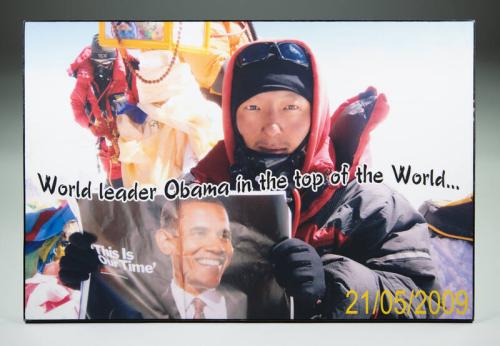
<point>103,62</point>
<point>262,51</point>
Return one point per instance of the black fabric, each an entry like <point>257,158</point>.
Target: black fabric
<point>99,52</point>
<point>102,77</point>
<point>298,269</point>
<point>79,260</point>
<point>455,220</point>
<point>249,163</point>
<point>102,73</point>
<point>345,275</point>
<point>386,248</point>
<point>129,70</point>
<point>347,129</point>
<point>108,304</point>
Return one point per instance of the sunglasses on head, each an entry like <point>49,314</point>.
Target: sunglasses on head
<point>262,51</point>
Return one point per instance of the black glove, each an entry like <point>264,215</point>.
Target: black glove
<point>79,260</point>
<point>298,269</point>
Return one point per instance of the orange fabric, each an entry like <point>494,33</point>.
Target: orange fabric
<point>223,41</point>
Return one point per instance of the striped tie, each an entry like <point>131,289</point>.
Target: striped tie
<point>199,305</point>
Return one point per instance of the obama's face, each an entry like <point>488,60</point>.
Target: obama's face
<point>201,246</point>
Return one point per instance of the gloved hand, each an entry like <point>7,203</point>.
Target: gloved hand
<point>79,260</point>
<point>136,114</point>
<point>298,269</point>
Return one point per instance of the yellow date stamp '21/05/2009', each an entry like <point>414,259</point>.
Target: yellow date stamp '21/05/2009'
<point>402,302</point>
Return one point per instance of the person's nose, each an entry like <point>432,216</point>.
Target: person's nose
<point>272,126</point>
<point>272,130</point>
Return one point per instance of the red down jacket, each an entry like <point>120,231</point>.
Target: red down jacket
<point>88,102</point>
<point>370,238</point>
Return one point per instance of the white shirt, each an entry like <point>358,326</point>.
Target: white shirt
<point>215,302</point>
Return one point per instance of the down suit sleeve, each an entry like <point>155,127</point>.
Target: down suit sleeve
<point>384,269</point>
<point>78,97</point>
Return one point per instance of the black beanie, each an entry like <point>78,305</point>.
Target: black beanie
<point>99,52</point>
<point>269,75</point>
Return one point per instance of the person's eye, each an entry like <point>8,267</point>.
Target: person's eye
<point>252,108</point>
<point>226,234</point>
<point>291,107</point>
<point>198,232</point>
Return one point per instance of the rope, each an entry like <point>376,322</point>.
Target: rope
<point>170,65</point>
